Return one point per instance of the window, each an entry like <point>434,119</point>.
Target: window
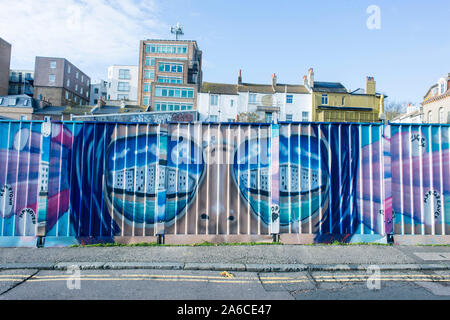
<point>77,75</point>
<point>25,102</point>
<point>325,99</point>
<point>172,106</point>
<point>146,100</point>
<point>67,95</point>
<point>53,64</point>
<point>288,117</point>
<point>269,117</point>
<point>147,87</point>
<point>442,88</point>
<point>124,74</point>
<point>122,97</point>
<point>441,116</point>
<point>170,67</point>
<point>213,118</point>
<point>252,98</point>
<point>305,116</point>
<point>68,68</point>
<point>95,101</point>
<point>343,101</point>
<point>123,86</point>
<point>82,78</point>
<point>231,103</point>
<point>1,100</point>
<point>52,78</point>
<point>81,90</point>
<point>75,99</point>
<point>214,99</point>
<point>289,98</point>
<point>149,74</point>
<point>12,101</point>
<point>87,94</point>
<point>174,92</point>
<point>170,80</point>
<point>76,87</point>
<point>172,49</point>
<point>68,82</point>
<point>150,61</point>
<point>96,90</point>
<point>22,118</point>
<point>430,117</point>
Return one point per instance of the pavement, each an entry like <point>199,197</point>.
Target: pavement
<point>258,258</point>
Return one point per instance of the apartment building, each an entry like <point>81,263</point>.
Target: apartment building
<point>60,82</point>
<point>5,62</point>
<point>123,83</point>
<point>170,74</point>
<point>21,82</point>
<point>219,102</point>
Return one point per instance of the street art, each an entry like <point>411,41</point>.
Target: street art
<point>147,117</point>
<point>106,182</point>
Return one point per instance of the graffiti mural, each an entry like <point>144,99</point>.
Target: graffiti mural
<point>75,182</point>
<point>152,117</point>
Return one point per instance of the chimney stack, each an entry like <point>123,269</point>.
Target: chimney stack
<point>305,81</point>
<point>274,80</point>
<point>311,77</point>
<point>240,77</point>
<point>370,85</point>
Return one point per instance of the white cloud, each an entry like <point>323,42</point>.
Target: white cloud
<point>92,34</point>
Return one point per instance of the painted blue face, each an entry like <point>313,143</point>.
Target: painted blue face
<point>133,174</point>
<point>303,176</point>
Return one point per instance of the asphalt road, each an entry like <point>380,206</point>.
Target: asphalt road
<point>212,285</point>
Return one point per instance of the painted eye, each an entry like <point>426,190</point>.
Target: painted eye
<point>302,176</point>
<point>134,176</point>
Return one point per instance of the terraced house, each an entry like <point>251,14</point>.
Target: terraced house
<point>332,102</point>
<point>219,102</point>
<point>170,74</point>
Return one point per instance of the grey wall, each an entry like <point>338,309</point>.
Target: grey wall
<point>5,61</point>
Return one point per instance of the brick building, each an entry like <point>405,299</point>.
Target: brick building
<point>60,82</point>
<point>5,61</point>
<point>170,74</point>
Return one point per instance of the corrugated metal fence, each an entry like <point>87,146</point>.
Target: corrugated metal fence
<point>87,182</point>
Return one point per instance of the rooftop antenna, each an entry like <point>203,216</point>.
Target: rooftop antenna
<point>177,30</point>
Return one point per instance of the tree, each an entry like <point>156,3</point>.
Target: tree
<point>393,109</point>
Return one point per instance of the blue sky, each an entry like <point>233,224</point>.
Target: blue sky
<point>406,56</point>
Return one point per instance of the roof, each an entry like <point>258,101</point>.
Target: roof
<point>52,110</point>
<point>332,87</point>
<point>18,101</point>
<point>232,89</point>
<point>219,88</point>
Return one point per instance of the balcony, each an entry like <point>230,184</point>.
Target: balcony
<point>21,79</point>
<point>266,103</point>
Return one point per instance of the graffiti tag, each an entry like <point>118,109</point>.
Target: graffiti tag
<point>434,196</point>
<point>6,200</point>
<point>421,140</point>
<point>275,209</point>
<point>30,212</point>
